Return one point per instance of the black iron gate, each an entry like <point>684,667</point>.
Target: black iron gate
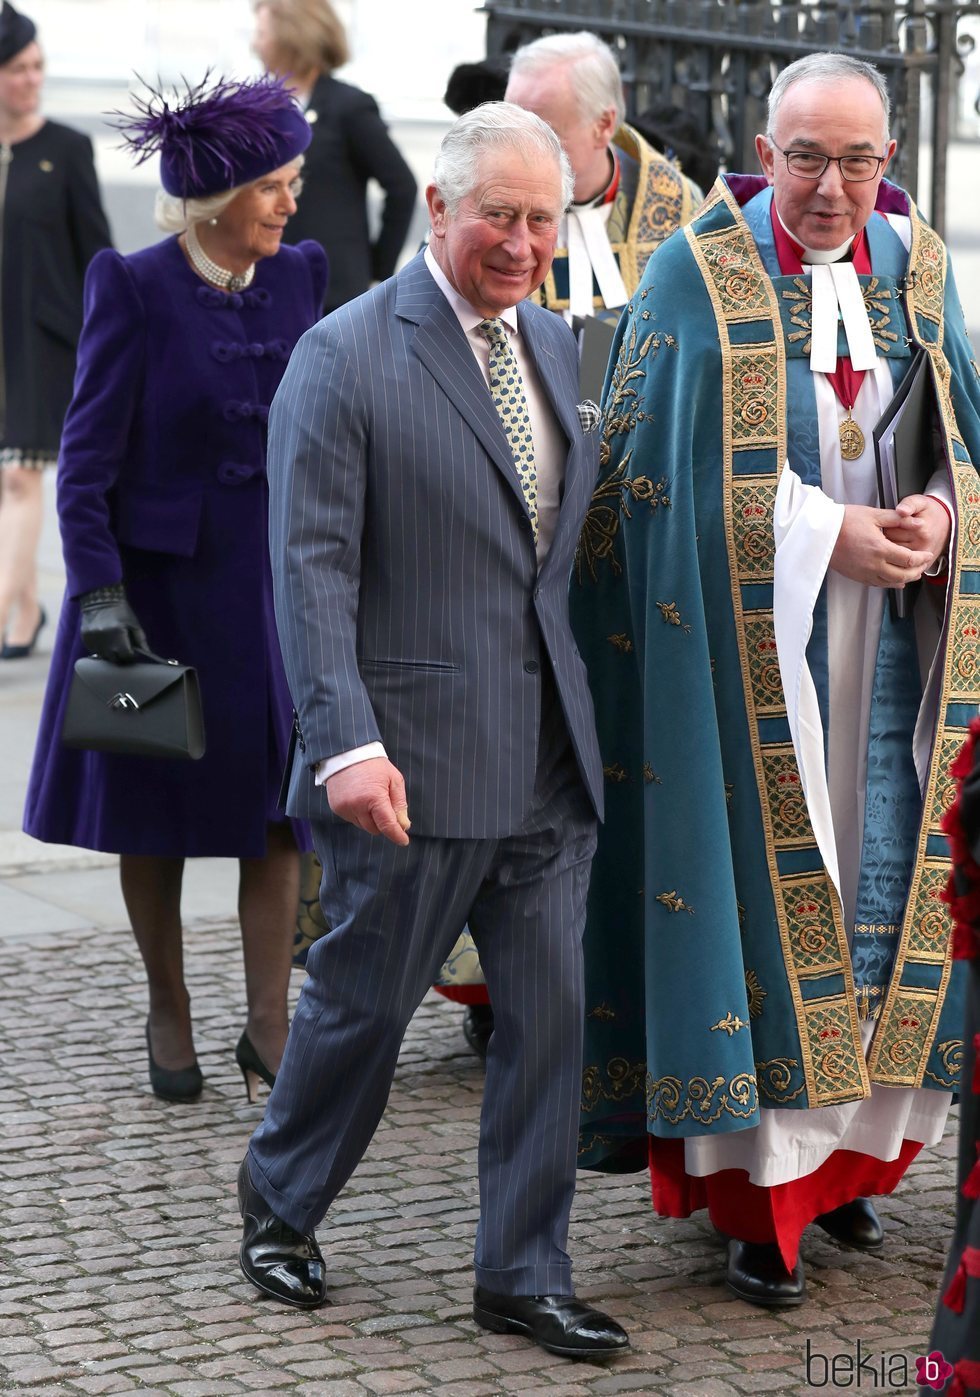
<point>717,59</point>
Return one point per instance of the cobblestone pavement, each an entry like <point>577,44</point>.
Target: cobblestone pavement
<point>119,1228</point>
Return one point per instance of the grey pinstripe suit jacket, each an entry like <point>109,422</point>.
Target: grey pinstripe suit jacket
<point>408,598</point>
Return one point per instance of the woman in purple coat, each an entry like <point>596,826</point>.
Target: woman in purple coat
<point>162,499</point>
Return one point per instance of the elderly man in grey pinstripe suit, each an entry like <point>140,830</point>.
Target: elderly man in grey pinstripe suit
<point>429,475</point>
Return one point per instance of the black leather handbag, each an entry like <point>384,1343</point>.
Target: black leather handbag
<point>150,708</point>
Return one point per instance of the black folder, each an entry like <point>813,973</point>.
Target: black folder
<point>905,456</point>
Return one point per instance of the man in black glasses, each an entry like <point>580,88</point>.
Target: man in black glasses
<point>773,1026</point>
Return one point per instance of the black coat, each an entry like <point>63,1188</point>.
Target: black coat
<point>350,146</point>
<point>51,226</point>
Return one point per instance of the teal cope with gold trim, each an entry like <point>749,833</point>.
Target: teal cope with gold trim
<point>720,980</point>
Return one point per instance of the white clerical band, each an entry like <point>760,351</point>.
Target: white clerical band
<point>837,296</point>
<point>589,253</point>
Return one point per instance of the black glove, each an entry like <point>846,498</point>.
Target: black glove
<point>109,626</point>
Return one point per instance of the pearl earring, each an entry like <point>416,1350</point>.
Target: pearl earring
<point>213,222</point>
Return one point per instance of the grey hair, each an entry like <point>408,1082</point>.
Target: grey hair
<point>825,68</point>
<point>176,215</point>
<point>596,80</point>
<point>494,126</point>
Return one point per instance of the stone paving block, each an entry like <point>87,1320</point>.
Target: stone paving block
<point>392,1381</point>
<point>393,1323</point>
<point>336,1389</point>
<point>164,1373</point>
<point>468,1389</point>
<point>202,1389</point>
<point>266,1381</point>
<point>760,1382</point>
<point>712,1387</point>
<point>50,1389</point>
<point>99,1385</point>
<point>34,1374</point>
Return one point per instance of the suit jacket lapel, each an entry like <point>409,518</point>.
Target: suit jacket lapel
<point>442,347</point>
<point>548,373</point>
<point>563,404</point>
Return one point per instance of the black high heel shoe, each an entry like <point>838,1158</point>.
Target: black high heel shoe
<point>173,1084</point>
<point>23,652</point>
<point>253,1068</point>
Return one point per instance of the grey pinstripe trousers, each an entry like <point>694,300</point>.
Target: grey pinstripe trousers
<point>396,914</point>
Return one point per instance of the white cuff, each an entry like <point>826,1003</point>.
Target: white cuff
<point>331,765</point>
<point>939,487</point>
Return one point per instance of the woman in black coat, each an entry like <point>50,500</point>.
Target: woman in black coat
<point>51,226</point>
<point>304,41</point>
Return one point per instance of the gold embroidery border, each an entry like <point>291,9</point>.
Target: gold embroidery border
<point>838,1055</point>
<point>965,644</point>
<point>760,639</point>
<point>809,912</point>
<point>673,1100</point>
<point>643,237</point>
<point>922,298</point>
<point>906,1068</point>
<point>859,1086</point>
<point>670,1098</point>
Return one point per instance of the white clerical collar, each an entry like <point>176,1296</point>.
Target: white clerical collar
<point>465,314</point>
<point>813,256</point>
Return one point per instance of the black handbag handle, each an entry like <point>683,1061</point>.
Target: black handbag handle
<point>155,659</point>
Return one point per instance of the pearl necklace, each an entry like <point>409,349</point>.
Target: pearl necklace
<point>210,271</point>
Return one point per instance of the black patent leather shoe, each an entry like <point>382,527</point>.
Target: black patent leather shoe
<point>278,1260</point>
<point>559,1323</point>
<point>856,1224</point>
<point>478,1027</point>
<point>756,1273</point>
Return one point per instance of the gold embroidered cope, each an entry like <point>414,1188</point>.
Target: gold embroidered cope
<point>754,388</point>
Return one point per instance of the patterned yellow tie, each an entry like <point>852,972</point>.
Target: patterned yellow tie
<point>507,391</point>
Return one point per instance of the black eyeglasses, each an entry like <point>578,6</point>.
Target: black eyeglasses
<point>809,164</point>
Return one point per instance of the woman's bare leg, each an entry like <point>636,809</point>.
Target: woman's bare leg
<point>21,511</point>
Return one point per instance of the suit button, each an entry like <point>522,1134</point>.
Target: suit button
<point>531,666</point>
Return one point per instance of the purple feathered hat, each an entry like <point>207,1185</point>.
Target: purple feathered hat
<point>218,134</point>
<point>16,32</point>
